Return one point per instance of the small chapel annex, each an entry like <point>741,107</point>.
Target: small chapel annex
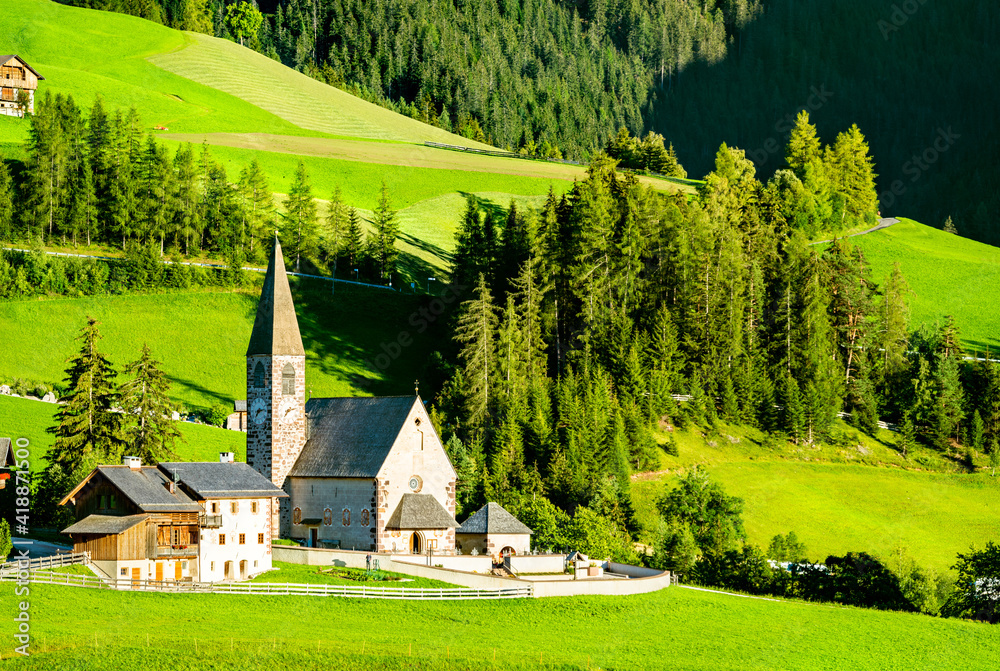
<point>361,473</point>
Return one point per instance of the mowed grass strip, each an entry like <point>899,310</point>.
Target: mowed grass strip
<point>674,628</point>
<point>201,338</point>
<point>291,95</point>
<point>949,275</point>
<point>838,508</point>
<point>25,418</point>
<point>85,52</point>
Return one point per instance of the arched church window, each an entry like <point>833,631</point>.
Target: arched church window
<point>297,516</point>
<point>328,517</point>
<point>364,517</point>
<point>288,380</point>
<point>258,375</point>
<point>346,517</point>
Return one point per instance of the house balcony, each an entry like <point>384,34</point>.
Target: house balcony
<point>210,521</point>
<point>186,551</point>
<point>14,83</point>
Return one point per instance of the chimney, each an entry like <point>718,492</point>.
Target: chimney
<point>225,457</point>
<point>135,463</point>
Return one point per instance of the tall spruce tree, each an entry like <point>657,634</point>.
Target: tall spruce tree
<point>89,424</point>
<point>385,225</point>
<point>150,431</point>
<point>300,233</point>
<point>476,333</point>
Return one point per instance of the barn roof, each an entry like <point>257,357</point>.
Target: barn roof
<point>6,453</point>
<point>492,519</point>
<point>6,57</point>
<point>351,437</point>
<point>420,511</point>
<point>275,327</point>
<point>218,480</point>
<point>105,524</point>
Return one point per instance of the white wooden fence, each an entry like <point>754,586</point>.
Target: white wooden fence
<point>40,563</point>
<point>359,591</point>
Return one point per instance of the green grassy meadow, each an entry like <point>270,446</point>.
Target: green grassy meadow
<point>949,275</point>
<point>317,575</point>
<point>24,418</point>
<point>675,628</point>
<point>201,338</point>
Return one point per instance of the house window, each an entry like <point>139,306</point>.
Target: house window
<point>260,539</point>
<point>104,502</point>
<point>215,508</point>
<point>175,536</point>
<point>212,566</point>
<point>125,571</point>
<point>184,565</point>
<point>432,543</point>
<point>364,517</point>
<point>328,517</point>
<point>243,539</point>
<point>346,517</point>
<point>288,380</point>
<point>222,539</point>
<point>297,516</point>
<point>255,563</point>
<point>113,502</point>
<point>234,507</point>
<point>253,507</point>
<point>258,375</point>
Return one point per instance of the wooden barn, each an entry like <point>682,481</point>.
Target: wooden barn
<point>18,82</point>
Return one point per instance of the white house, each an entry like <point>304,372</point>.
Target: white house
<point>203,521</point>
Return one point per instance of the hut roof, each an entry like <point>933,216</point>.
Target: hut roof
<point>420,511</point>
<point>492,519</point>
<point>105,524</point>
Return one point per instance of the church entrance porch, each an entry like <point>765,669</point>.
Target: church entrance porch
<point>416,543</point>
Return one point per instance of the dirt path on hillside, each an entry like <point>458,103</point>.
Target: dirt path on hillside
<point>884,222</point>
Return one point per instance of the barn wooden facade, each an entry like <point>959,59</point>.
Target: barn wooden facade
<point>171,522</point>
<point>18,83</point>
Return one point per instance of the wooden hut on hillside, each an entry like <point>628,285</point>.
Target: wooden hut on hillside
<point>18,82</point>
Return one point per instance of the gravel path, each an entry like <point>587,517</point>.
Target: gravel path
<point>884,222</point>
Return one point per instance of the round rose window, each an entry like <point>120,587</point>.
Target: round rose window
<point>416,483</point>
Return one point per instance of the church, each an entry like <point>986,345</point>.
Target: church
<point>360,473</point>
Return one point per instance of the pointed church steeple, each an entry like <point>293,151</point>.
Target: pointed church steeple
<point>275,328</point>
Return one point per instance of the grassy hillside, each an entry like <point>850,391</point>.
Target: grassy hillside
<point>201,338</point>
<point>949,275</point>
<point>23,418</point>
<point>674,628</point>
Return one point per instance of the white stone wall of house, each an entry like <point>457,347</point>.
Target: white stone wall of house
<point>417,453</point>
<point>231,560</point>
<point>345,506</point>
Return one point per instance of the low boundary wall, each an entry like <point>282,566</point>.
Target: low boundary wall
<point>640,581</point>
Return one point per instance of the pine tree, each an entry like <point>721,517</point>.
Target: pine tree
<point>530,295</point>
<point>386,230</point>
<point>335,226</point>
<point>257,204</point>
<point>150,431</point>
<point>894,319</point>
<point>88,425</point>
<point>187,215</point>
<point>949,226</point>
<point>948,413</point>
<point>803,146</point>
<point>6,203</point>
<point>853,172</point>
<point>354,238</point>
<point>300,217</point>
<point>476,332</point>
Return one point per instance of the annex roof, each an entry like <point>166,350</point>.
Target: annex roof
<point>105,524</point>
<point>492,519</point>
<point>6,453</point>
<point>351,437</point>
<point>275,327</point>
<point>420,511</point>
<point>5,58</point>
<point>219,480</point>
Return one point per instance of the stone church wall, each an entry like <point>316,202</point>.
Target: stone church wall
<point>346,503</point>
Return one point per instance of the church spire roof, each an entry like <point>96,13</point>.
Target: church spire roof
<point>275,328</point>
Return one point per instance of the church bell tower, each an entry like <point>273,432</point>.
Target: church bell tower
<point>276,398</point>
